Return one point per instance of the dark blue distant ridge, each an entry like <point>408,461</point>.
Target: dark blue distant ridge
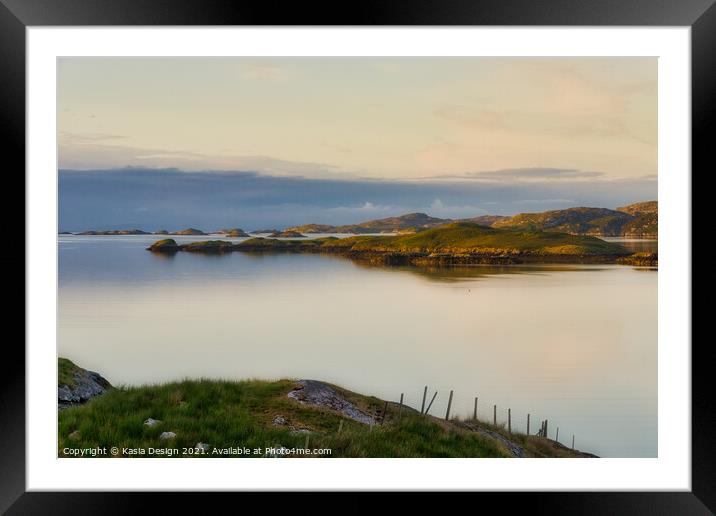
<point>151,199</point>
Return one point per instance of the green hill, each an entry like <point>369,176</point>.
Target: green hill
<point>639,219</point>
<point>310,228</point>
<point>641,208</point>
<point>471,238</point>
<point>645,221</point>
<point>387,225</point>
<point>592,221</point>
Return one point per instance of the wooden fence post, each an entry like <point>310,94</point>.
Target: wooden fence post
<point>546,423</point>
<point>528,424</point>
<point>572,441</point>
<point>340,426</point>
<point>447,414</point>
<point>494,415</point>
<point>425,393</point>
<point>400,408</point>
<point>431,403</point>
<point>474,412</point>
<point>557,437</point>
<point>509,420</point>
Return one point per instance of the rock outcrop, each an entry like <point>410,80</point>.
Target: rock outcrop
<point>321,394</point>
<point>167,245</point>
<point>76,385</point>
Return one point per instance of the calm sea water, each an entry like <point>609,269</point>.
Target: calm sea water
<point>574,344</point>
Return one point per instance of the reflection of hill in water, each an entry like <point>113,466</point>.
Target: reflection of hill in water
<point>439,273</point>
<point>462,272</point>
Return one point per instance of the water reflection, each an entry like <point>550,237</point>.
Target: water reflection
<point>457,273</point>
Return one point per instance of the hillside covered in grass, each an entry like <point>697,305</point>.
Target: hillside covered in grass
<point>635,220</point>
<point>471,238</point>
<point>212,418</point>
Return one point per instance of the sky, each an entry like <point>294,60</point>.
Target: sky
<point>457,136</point>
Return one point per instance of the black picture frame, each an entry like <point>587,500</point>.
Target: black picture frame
<point>17,15</point>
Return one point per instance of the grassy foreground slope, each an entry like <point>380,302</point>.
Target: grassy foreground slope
<point>229,414</point>
<point>253,414</point>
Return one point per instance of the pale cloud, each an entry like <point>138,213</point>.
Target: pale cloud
<point>388,118</point>
<point>263,71</point>
<point>66,138</point>
<point>366,209</point>
<point>471,117</point>
<point>554,202</point>
<point>443,210</point>
<point>80,152</point>
<point>535,174</point>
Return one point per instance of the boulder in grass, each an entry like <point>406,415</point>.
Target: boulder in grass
<point>203,447</point>
<point>167,435</point>
<point>152,422</point>
<point>76,385</point>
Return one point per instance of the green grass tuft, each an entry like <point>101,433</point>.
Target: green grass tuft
<point>66,372</point>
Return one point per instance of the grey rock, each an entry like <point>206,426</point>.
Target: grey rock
<point>88,385</point>
<point>152,422</point>
<point>167,435</point>
<point>313,392</point>
<point>279,420</point>
<point>205,447</point>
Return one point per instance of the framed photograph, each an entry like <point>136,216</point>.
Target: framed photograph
<point>446,248</point>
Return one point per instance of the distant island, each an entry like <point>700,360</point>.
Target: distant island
<point>235,232</point>
<point>635,220</point>
<point>449,244</point>
<point>638,220</point>
<point>188,231</point>
<point>289,233</point>
<point>112,232</point>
